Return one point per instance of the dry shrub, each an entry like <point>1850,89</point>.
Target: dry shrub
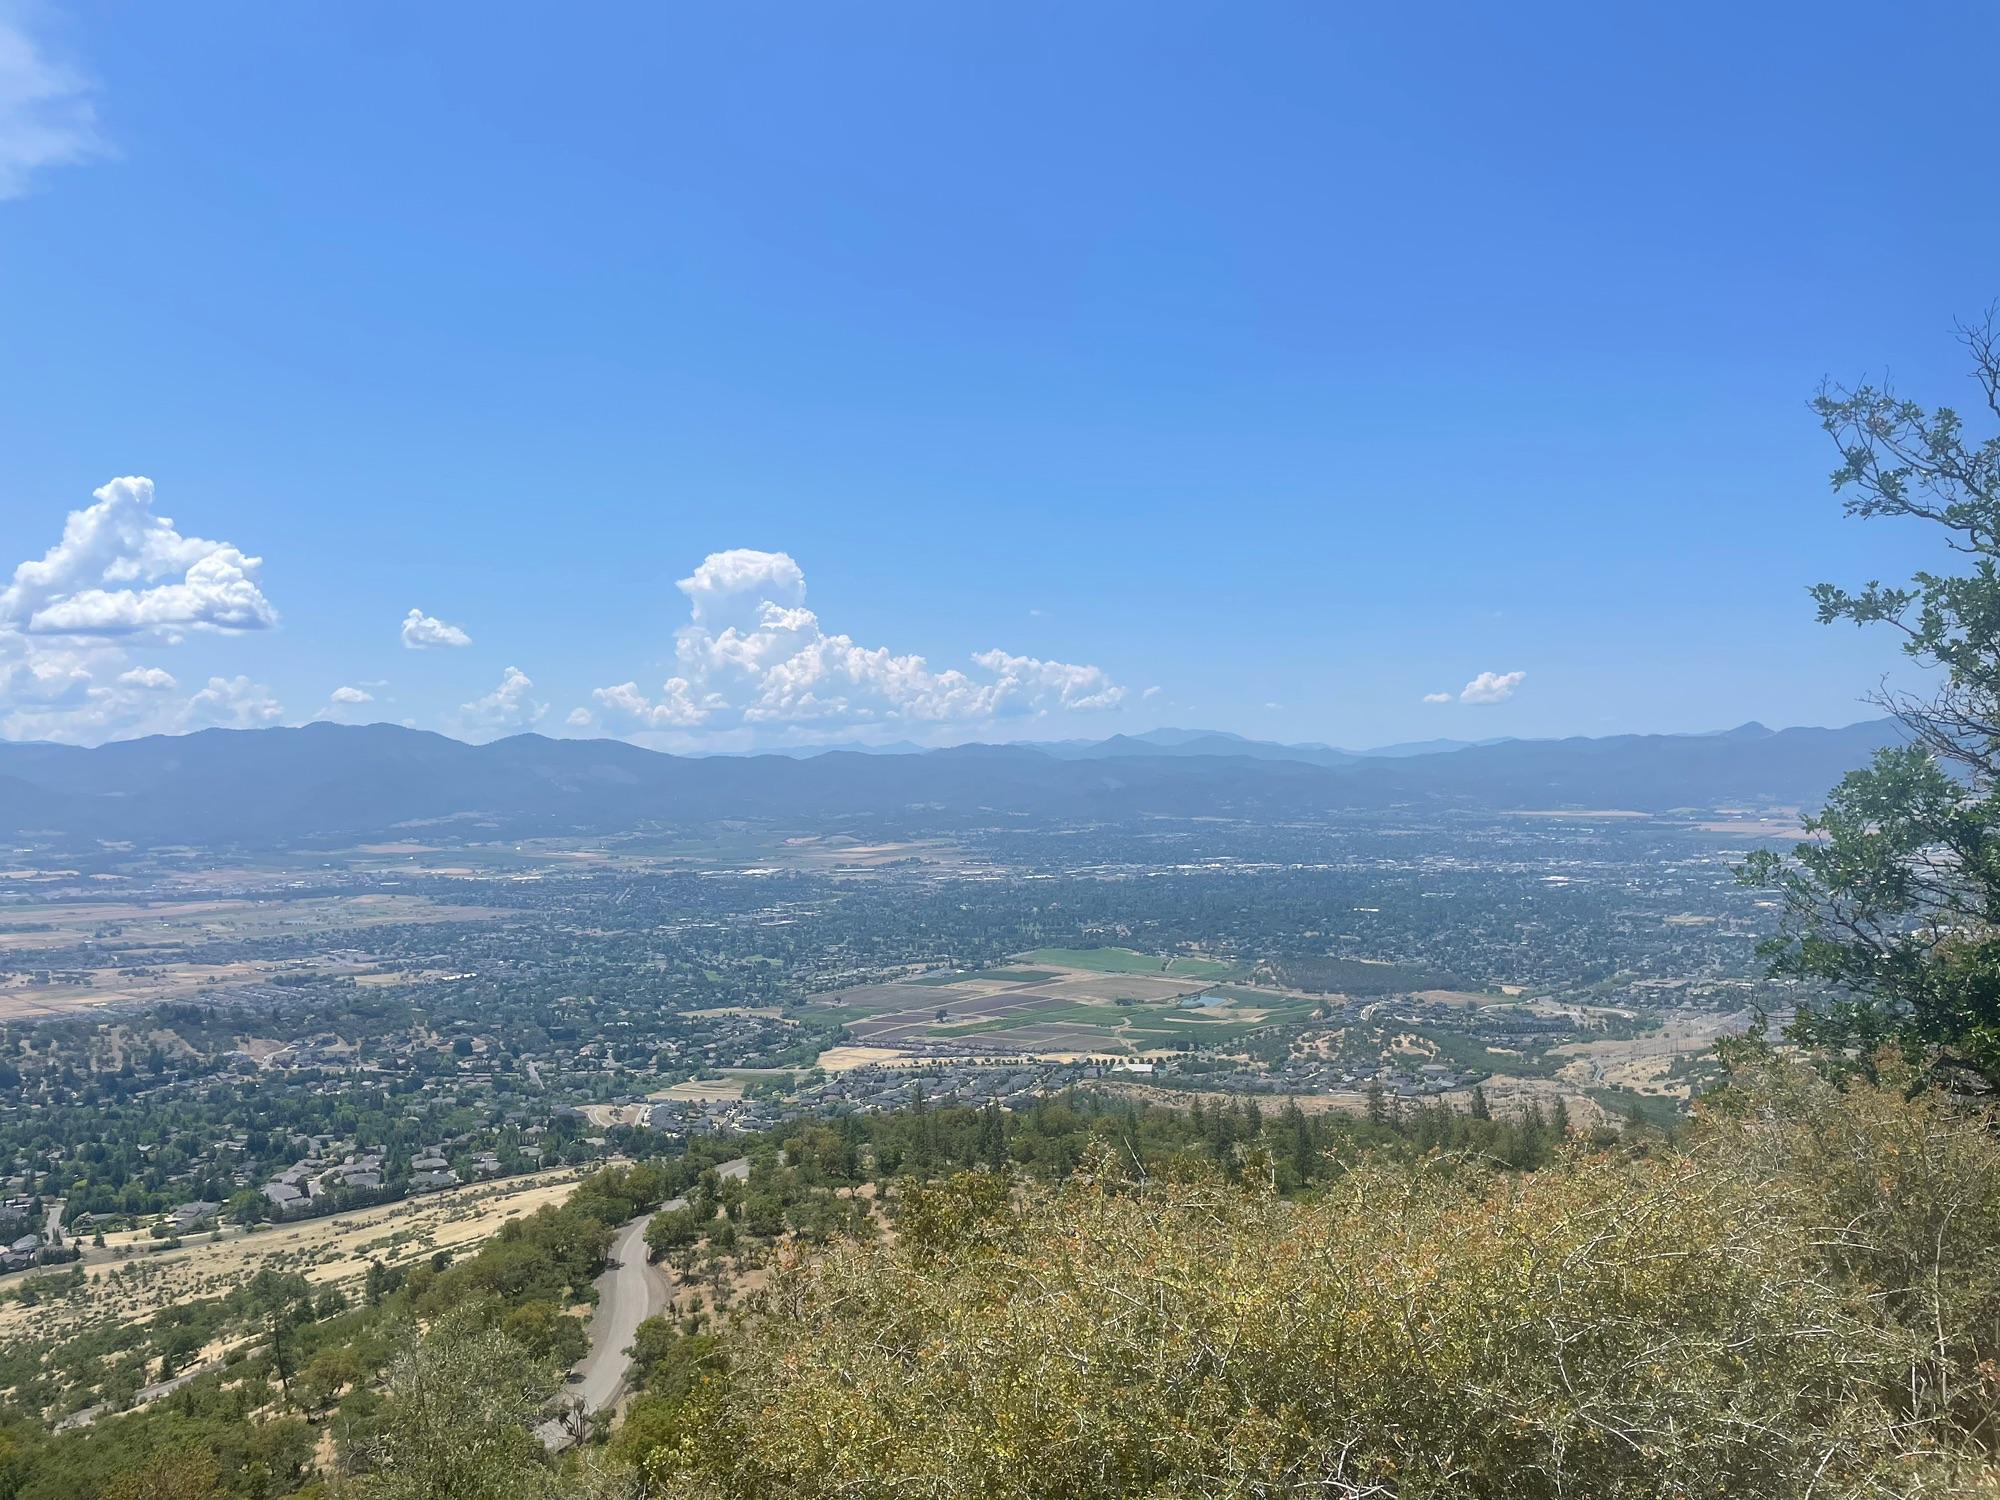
<point>1797,1305</point>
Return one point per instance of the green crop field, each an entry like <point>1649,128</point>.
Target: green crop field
<point>1156,1034</point>
<point>1129,961</point>
<point>1022,976</point>
<point>1104,1017</point>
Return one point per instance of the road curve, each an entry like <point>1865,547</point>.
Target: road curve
<point>631,1290</point>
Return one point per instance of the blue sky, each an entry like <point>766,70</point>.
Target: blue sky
<point>1265,367</point>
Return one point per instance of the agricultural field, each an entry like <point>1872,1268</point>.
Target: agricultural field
<point>1109,1002</point>
<point>1129,961</point>
<point>61,957</point>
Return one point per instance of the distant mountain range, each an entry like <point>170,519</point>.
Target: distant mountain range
<point>326,783</point>
<point>1221,742</point>
<point>1166,742</point>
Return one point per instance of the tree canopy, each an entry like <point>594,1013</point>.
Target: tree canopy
<point>1894,899</point>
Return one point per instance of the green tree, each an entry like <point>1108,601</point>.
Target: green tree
<point>672,1229</point>
<point>1378,1104</point>
<point>547,1332</point>
<point>176,1474</point>
<point>1304,1158</point>
<point>330,1372</point>
<point>382,1280</point>
<point>992,1136</point>
<point>1895,899</point>
<point>456,1424</point>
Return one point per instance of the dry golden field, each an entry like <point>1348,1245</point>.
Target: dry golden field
<point>129,1281</point>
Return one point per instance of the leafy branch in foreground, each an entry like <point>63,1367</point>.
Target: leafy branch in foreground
<point>1895,897</point>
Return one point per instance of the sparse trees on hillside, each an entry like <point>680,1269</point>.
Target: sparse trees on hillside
<point>1616,1324</point>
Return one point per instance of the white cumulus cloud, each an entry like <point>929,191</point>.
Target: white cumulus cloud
<point>78,692</point>
<point>675,708</point>
<point>233,703</point>
<point>46,679</point>
<point>47,116</point>
<point>753,654</point>
<point>1437,697</point>
<point>1491,687</point>
<point>508,706</point>
<point>346,704</point>
<point>121,570</point>
<point>121,576</point>
<point>422,632</point>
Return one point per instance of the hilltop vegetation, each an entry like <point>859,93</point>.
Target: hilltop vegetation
<point>1803,1301</point>
<point>304,1363</point>
<point>1797,1295</point>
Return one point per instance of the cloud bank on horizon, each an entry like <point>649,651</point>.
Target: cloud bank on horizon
<point>752,662</point>
<point>753,655</point>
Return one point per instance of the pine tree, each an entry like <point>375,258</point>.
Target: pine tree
<point>992,1136</point>
<point>1304,1158</point>
<point>1378,1104</point>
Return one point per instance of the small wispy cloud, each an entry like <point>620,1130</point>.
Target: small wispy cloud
<point>48,117</point>
<point>1487,687</point>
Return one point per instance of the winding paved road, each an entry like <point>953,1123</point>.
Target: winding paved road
<point>631,1290</point>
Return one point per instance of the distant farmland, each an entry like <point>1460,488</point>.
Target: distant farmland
<point>1130,961</point>
<point>1071,1001</point>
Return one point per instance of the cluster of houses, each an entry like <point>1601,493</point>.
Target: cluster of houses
<point>1014,1084</point>
<point>1011,1084</point>
<point>21,1241</point>
<point>187,1218</point>
<point>1310,1075</point>
<point>1017,1083</point>
<point>325,1052</point>
<point>319,1175</point>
